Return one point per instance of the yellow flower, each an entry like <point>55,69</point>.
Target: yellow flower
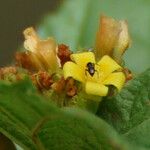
<point>97,76</point>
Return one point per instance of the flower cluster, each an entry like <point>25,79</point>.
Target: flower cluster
<point>56,70</point>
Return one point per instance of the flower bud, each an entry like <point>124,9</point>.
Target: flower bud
<point>112,38</point>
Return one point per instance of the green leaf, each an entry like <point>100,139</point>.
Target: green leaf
<point>33,122</point>
<point>77,129</point>
<point>129,111</point>
<point>140,135</point>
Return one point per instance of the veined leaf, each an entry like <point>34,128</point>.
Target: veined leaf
<point>140,135</point>
<point>129,111</point>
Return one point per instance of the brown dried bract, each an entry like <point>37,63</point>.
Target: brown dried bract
<point>42,80</point>
<point>63,53</point>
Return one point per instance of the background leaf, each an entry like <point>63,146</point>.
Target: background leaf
<point>76,23</point>
<point>129,111</point>
<point>140,135</point>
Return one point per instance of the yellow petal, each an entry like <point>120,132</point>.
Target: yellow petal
<point>106,66</point>
<point>83,58</point>
<point>96,89</point>
<point>71,69</point>
<point>116,79</point>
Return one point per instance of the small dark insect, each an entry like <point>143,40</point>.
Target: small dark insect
<point>90,68</point>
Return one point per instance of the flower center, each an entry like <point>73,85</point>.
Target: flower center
<point>92,72</point>
<point>90,68</point>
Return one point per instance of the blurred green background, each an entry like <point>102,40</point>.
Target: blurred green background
<point>74,22</point>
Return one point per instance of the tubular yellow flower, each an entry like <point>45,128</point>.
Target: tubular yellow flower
<point>42,52</point>
<point>112,38</point>
<point>95,76</point>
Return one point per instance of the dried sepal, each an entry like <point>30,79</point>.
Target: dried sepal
<point>112,38</point>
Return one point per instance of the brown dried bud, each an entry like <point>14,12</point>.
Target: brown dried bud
<point>12,74</point>
<point>59,86</point>
<point>63,53</point>
<point>66,86</point>
<point>7,70</point>
<point>42,80</point>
